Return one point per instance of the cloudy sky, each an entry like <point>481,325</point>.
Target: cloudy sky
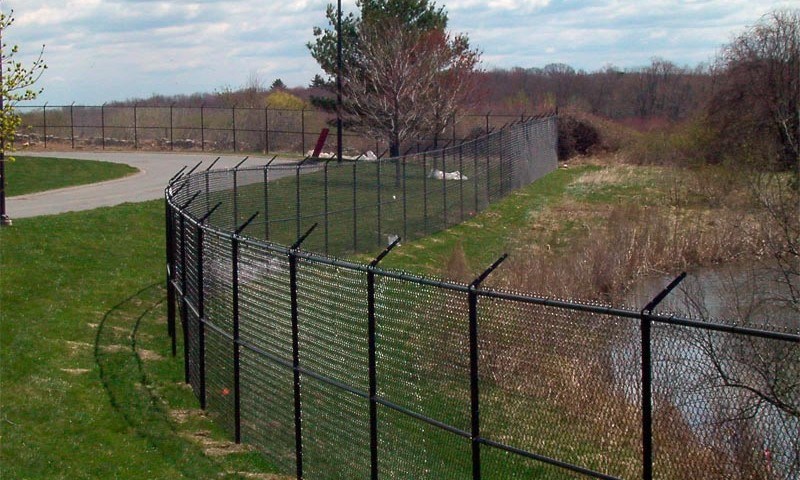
<point>103,50</point>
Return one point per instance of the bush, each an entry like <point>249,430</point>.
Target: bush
<point>576,137</point>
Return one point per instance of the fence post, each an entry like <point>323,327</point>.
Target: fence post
<point>171,132</point>
<point>201,326</point>
<point>303,131</point>
<point>373,376</point>
<point>444,189</point>
<point>135,129</point>
<point>266,198</point>
<point>355,206</point>
<point>405,203</point>
<point>202,128</point>
<point>326,206</point>
<point>487,122</point>
<point>266,130</point>
<point>378,169</point>
<point>298,413</point>
<point>475,423</point>
<point>103,125</point>
<point>233,125</point>
<point>170,234</point>
<point>44,123</point>
<point>461,180</point>
<point>500,147</point>
<point>647,377</point>
<point>236,192</point>
<point>475,173</point>
<point>72,125</point>
<point>425,192</point>
<point>237,397</point>
<point>297,197</point>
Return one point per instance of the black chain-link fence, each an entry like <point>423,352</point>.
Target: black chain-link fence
<point>336,369</point>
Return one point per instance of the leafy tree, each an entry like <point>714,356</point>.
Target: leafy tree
<point>277,85</point>
<point>16,85</point>
<point>403,74</point>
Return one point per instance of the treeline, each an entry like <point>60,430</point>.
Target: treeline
<point>659,90</point>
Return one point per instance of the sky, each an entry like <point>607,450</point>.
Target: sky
<point>106,50</point>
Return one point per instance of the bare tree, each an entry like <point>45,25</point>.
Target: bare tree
<point>407,82</point>
<point>756,106</point>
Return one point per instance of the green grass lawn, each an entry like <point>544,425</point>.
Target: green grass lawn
<point>37,174</point>
<point>89,389</point>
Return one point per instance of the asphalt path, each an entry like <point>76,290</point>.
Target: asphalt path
<point>155,170</point>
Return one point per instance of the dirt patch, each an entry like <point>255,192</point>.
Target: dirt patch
<point>257,476</point>
<point>184,415</point>
<point>149,355</point>
<point>216,448</point>
<point>75,371</point>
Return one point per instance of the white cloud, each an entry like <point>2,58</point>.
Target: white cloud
<point>99,50</point>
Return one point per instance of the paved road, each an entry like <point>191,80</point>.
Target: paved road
<point>155,170</point>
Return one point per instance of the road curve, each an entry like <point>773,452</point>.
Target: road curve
<point>155,170</point>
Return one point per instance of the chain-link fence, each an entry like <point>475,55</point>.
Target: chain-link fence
<point>214,128</point>
<point>337,369</point>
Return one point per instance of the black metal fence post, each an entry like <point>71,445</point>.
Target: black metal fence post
<point>170,246</point>
<point>327,207</point>
<point>405,203</point>
<point>355,206</point>
<point>378,170</point>
<point>236,192</point>
<point>135,128</point>
<point>461,181</point>
<point>202,128</point>
<point>425,192</point>
<point>303,130</point>
<point>103,126</point>
<point>184,301</point>
<point>475,173</point>
<point>201,325</point>
<point>44,124</point>
<point>266,130</point>
<point>233,126</point>
<point>444,189</point>
<point>237,397</point>
<point>373,376</point>
<point>266,197</point>
<point>647,377</point>
<point>297,197</point>
<point>171,129</point>
<point>298,412</point>
<point>474,381</point>
<point>72,125</point>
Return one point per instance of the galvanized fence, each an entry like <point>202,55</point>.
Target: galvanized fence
<point>338,369</point>
<point>212,128</point>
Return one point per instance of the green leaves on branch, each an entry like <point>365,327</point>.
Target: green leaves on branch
<point>16,84</point>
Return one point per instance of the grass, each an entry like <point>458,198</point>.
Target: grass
<point>37,174</point>
<point>88,385</point>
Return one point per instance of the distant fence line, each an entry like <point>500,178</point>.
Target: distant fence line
<point>207,128</point>
<point>336,369</point>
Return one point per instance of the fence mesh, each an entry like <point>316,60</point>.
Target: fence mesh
<point>335,369</point>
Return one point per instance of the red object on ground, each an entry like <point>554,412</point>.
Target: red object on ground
<point>323,135</point>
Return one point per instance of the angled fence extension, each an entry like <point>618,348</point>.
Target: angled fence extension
<point>338,369</point>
